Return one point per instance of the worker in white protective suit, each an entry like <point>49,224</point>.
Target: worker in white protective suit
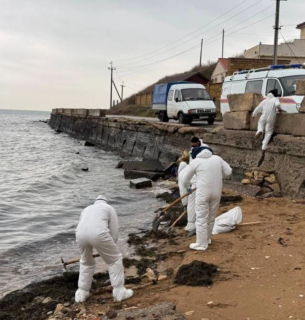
<point>209,170</point>
<point>183,164</point>
<point>191,215</point>
<point>266,122</point>
<point>98,228</point>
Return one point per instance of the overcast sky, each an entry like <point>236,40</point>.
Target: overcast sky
<point>56,53</point>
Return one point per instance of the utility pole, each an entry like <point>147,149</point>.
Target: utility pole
<point>200,53</point>
<point>276,30</point>
<point>111,68</point>
<point>223,42</point>
<point>122,90</point>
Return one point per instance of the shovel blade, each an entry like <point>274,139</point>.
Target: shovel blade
<point>156,223</point>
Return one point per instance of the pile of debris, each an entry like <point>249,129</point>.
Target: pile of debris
<point>264,179</point>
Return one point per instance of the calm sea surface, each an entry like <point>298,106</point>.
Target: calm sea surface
<point>43,190</point>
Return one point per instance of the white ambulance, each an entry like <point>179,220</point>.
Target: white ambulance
<point>280,77</point>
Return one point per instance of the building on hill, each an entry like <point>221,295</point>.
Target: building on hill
<point>293,50</point>
<point>144,98</point>
<point>220,71</point>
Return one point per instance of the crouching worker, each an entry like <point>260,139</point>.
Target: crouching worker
<point>98,229</point>
<point>209,170</point>
<point>182,166</point>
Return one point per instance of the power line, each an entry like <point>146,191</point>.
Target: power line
<point>289,47</point>
<point>192,48</point>
<point>184,42</point>
<point>186,35</point>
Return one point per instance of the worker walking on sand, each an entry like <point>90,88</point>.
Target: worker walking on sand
<point>266,122</point>
<point>191,215</point>
<point>209,170</point>
<point>98,228</point>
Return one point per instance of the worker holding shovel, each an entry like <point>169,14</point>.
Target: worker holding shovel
<point>98,228</point>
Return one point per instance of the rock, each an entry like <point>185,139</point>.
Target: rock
<point>67,304</point>
<point>189,313</point>
<point>59,308</point>
<point>255,182</point>
<point>249,174</point>
<point>302,108</point>
<point>39,299</point>
<point>275,187</point>
<point>82,312</point>
<point>218,129</point>
<point>244,102</point>
<point>150,275</point>
<point>237,120</point>
<point>162,277</point>
<point>140,183</point>
<point>145,165</point>
<point>85,169</point>
<point>49,313</point>
<point>300,91</point>
<point>246,181</point>
<point>271,179</point>
<point>89,144</point>
<point>210,303</point>
<point>135,174</point>
<point>47,300</point>
<point>111,314</point>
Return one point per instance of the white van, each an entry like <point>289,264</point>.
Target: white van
<point>280,77</point>
<point>183,101</point>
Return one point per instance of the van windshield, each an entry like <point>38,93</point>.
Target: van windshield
<point>289,84</point>
<point>195,94</point>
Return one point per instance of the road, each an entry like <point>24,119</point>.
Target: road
<point>202,124</point>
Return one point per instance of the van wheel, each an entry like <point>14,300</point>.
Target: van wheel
<point>211,120</point>
<point>163,116</point>
<point>181,118</point>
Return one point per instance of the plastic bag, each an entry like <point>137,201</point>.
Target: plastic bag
<point>227,221</point>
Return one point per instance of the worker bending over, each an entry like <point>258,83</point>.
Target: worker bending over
<point>266,122</point>
<point>209,170</point>
<point>98,228</point>
<point>182,163</point>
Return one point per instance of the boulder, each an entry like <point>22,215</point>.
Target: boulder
<point>135,174</point>
<point>244,102</point>
<point>271,179</point>
<point>218,129</point>
<point>275,187</point>
<point>237,120</point>
<point>300,88</point>
<point>246,181</point>
<point>140,183</point>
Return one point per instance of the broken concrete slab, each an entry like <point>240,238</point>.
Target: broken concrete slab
<point>302,108</point>
<point>135,174</point>
<point>300,91</point>
<point>140,183</point>
<point>145,165</point>
<point>165,310</point>
<point>244,102</point>
<point>237,120</point>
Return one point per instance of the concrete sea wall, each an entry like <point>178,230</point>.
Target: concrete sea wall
<point>166,142</point>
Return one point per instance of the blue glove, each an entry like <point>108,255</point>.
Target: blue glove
<point>190,190</point>
<point>185,207</point>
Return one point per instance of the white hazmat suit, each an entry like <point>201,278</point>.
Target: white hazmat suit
<point>98,229</point>
<point>266,122</point>
<point>209,170</point>
<point>191,214</point>
<point>181,171</point>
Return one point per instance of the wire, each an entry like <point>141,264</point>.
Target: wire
<point>182,43</point>
<point>192,48</point>
<point>186,35</point>
<point>289,47</point>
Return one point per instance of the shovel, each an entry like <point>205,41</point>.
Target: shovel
<point>176,221</point>
<point>65,264</point>
<point>158,218</point>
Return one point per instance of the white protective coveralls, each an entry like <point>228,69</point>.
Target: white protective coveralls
<point>191,214</point>
<point>98,228</point>
<point>266,122</point>
<point>209,170</point>
<point>181,171</point>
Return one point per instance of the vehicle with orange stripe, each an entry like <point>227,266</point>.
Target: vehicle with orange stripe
<point>280,77</point>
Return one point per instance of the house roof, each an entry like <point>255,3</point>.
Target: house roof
<point>301,25</point>
<point>185,76</point>
<point>224,62</point>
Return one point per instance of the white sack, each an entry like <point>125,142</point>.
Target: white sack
<point>227,221</point>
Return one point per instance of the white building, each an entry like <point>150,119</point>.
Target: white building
<point>220,71</point>
<point>295,51</point>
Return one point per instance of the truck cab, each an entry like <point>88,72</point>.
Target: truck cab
<point>184,101</point>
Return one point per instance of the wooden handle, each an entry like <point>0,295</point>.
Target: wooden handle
<point>249,223</point>
<point>176,201</point>
<point>179,218</point>
<point>77,260</point>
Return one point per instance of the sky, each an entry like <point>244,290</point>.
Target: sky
<point>56,53</point>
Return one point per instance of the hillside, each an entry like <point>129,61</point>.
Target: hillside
<point>128,107</point>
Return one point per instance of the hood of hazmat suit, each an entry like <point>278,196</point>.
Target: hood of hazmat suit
<point>210,170</point>
<point>181,170</point>
<point>98,229</point>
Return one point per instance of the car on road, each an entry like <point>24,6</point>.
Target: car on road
<point>183,101</point>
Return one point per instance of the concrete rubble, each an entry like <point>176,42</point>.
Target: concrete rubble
<point>244,102</point>
<point>239,120</point>
<point>140,183</point>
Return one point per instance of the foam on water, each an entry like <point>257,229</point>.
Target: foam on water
<point>43,190</point>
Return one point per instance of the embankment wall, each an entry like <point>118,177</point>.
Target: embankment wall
<point>166,142</point>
